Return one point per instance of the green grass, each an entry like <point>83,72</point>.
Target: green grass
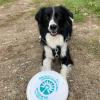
<point>5,1</point>
<point>82,8</point>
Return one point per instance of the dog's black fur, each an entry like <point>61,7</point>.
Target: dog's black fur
<point>63,18</point>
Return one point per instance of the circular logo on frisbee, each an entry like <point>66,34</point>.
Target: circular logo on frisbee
<point>47,86</point>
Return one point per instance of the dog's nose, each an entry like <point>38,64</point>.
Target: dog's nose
<point>53,27</point>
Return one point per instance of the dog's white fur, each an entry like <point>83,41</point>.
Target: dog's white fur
<point>53,41</point>
<point>47,64</point>
<point>63,49</point>
<point>52,22</point>
<point>71,19</point>
<point>65,70</point>
<point>48,52</point>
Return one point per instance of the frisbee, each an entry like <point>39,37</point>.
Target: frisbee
<point>47,85</point>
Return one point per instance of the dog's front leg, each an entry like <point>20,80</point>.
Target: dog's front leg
<point>46,64</point>
<point>47,58</point>
<point>66,63</point>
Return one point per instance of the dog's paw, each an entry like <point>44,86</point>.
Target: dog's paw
<point>65,70</point>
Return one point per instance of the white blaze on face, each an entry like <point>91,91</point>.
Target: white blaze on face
<point>52,22</point>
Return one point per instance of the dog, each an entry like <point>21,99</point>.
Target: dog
<point>55,27</point>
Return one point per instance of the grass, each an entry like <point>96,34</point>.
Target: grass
<point>5,1</point>
<point>82,8</point>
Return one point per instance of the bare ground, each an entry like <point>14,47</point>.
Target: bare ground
<point>20,53</point>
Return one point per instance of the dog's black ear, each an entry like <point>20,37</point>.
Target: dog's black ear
<point>38,16</point>
<point>67,13</point>
<point>68,17</point>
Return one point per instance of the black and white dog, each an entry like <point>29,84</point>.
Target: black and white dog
<point>55,26</point>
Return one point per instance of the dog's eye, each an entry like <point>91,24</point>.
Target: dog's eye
<point>48,16</point>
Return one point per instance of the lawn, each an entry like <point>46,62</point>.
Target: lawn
<point>80,8</point>
<point>5,1</point>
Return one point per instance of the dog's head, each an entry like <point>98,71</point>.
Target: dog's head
<point>54,19</point>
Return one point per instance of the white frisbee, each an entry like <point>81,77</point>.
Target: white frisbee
<point>47,85</point>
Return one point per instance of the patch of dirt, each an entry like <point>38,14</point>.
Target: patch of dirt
<point>20,54</point>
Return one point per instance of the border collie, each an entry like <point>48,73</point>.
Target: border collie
<point>55,26</point>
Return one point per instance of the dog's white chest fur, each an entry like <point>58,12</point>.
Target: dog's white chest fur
<point>54,41</point>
